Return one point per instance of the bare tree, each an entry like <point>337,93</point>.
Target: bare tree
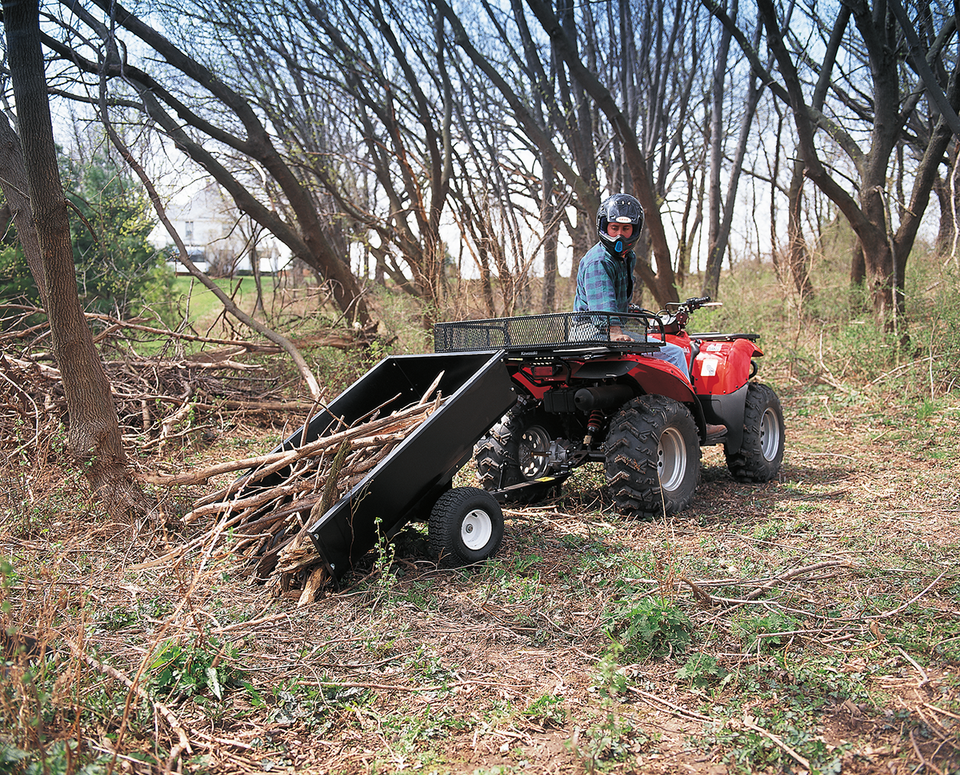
<point>661,281</point>
<point>600,93</point>
<point>879,108</point>
<point>220,118</point>
<point>721,208</point>
<point>94,433</point>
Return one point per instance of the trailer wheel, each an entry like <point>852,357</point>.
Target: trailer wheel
<point>652,456</point>
<point>761,451</point>
<point>515,451</point>
<point>466,526</point>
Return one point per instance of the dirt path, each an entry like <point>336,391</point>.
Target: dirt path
<point>808,624</point>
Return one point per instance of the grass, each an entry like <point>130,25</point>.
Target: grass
<point>808,624</point>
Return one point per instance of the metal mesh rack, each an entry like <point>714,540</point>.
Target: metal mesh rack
<point>563,330</point>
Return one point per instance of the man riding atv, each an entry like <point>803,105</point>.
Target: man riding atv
<point>605,277</point>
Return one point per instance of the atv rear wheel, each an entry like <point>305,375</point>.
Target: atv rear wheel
<point>516,451</point>
<point>652,456</point>
<point>466,526</point>
<point>761,451</point>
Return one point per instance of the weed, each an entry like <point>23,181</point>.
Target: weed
<point>117,618</point>
<point>612,736</point>
<point>59,758</point>
<point>650,627</point>
<point>926,409</point>
<point>420,594</point>
<point>384,553</point>
<point>547,710</point>
<point>773,742</point>
<point>767,531</point>
<point>767,633</point>
<point>702,671</point>
<point>430,668</point>
<point>198,668</point>
<point>610,680</point>
<point>412,732</point>
<point>314,706</point>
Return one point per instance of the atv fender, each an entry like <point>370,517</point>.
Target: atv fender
<point>656,377</point>
<point>727,410</point>
<point>722,368</point>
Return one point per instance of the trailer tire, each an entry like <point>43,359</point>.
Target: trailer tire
<point>652,456</point>
<point>466,526</point>
<point>761,451</point>
<point>513,452</point>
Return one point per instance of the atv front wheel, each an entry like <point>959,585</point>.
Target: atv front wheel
<point>516,451</point>
<point>466,526</point>
<point>652,456</point>
<point>761,451</point>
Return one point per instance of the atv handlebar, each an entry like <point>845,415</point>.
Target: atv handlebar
<point>674,317</point>
<point>694,304</point>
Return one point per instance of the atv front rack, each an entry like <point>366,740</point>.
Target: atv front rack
<point>557,331</point>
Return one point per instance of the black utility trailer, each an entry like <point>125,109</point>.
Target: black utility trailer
<point>415,479</point>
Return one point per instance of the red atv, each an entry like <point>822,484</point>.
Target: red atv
<point>583,398</point>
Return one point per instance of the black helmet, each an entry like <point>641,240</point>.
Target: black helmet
<point>621,208</point>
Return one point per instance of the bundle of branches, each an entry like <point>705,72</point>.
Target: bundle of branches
<point>268,509</point>
<point>153,396</point>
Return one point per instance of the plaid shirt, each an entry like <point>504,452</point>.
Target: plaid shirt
<point>604,283</point>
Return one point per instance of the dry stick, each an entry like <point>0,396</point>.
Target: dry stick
<point>166,428</point>
<point>257,499</point>
<point>778,742</point>
<point>36,413</point>
<point>391,430</point>
<point>910,602</point>
<point>433,386</point>
<point>166,332</point>
<point>923,762</point>
<point>180,551</point>
<point>253,501</point>
<point>697,587</point>
<point>198,477</point>
<point>792,574</point>
<point>690,714</point>
<point>184,741</point>
<point>215,502</point>
<point>925,678</point>
<point>326,500</point>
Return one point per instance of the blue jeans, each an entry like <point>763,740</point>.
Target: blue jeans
<point>674,354</point>
<point>671,353</point>
<point>586,330</point>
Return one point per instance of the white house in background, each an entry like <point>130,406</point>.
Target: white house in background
<point>220,240</point>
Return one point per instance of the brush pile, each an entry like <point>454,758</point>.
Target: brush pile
<point>160,400</point>
<point>267,510</point>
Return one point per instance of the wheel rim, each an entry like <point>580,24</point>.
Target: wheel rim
<point>671,459</point>
<point>532,451</point>
<point>769,435</point>
<point>476,529</point>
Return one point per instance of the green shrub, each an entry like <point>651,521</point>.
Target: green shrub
<point>650,627</point>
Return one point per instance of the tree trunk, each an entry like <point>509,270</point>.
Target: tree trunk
<point>946,233</point>
<point>548,221</point>
<point>711,279</point>
<point>94,434</point>
<point>798,256</point>
<point>13,181</point>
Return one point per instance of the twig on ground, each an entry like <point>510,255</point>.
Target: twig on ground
<point>777,742</point>
<point>183,744</point>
